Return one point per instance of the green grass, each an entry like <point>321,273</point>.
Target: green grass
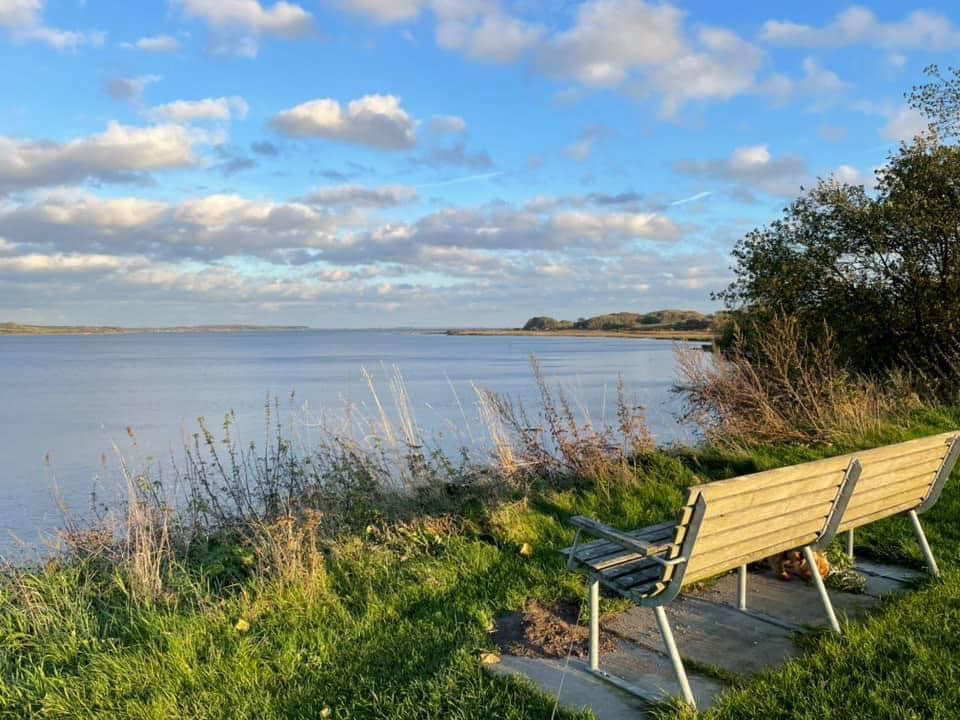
<point>390,625</point>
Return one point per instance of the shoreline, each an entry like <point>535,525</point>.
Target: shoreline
<point>675,335</point>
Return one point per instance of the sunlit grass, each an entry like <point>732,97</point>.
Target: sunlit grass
<point>388,620</point>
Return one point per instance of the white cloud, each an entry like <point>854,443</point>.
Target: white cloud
<point>188,111</point>
<point>20,13</point>
<point>480,29</point>
<point>218,211</point>
<point>824,87</point>
<point>64,39</point>
<point>23,20</point>
<point>115,154</point>
<point>611,38</point>
<point>157,44</point>
<point>493,36</point>
<point>77,207</point>
<point>282,19</point>
<point>360,196</point>
<point>244,252</point>
<point>128,88</point>
<point>385,11</point>
<point>448,124</point>
<point>643,48</point>
<point>723,66</point>
<point>904,124</point>
<point>752,168</point>
<point>820,81</point>
<point>857,25</point>
<point>60,263</point>
<point>376,121</point>
<point>847,174</point>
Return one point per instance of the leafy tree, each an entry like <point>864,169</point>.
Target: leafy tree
<point>880,269</point>
<point>939,100</point>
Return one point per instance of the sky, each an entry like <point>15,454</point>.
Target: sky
<point>426,163</point>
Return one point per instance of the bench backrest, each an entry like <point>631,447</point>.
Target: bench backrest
<point>897,478</point>
<point>748,518</point>
<point>751,517</point>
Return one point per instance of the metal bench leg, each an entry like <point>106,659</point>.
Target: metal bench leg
<point>742,588</point>
<point>850,543</point>
<point>924,545</point>
<point>674,654</point>
<point>821,588</point>
<point>595,625</point>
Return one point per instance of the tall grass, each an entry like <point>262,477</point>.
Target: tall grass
<point>233,508</point>
<point>340,569</point>
<point>559,443</point>
<point>780,387</point>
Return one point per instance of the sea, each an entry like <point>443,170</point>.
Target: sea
<point>76,409</point>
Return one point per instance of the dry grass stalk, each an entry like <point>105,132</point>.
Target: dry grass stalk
<point>559,445</point>
<point>289,551</point>
<point>784,389</point>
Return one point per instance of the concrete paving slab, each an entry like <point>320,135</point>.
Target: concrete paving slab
<point>711,633</point>
<point>644,671</point>
<point>581,689</point>
<point>794,601</point>
<point>652,674</point>
<point>892,572</point>
<point>709,630</point>
<point>880,586</point>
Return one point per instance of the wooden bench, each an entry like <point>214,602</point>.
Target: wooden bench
<point>906,478</point>
<point>727,524</point>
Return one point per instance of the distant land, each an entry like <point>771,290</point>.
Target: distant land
<point>11,328</point>
<point>657,324</point>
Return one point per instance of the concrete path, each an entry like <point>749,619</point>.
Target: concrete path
<point>711,632</point>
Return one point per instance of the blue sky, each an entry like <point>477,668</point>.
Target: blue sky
<point>376,163</point>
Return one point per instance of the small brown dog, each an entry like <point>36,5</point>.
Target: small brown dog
<point>787,564</point>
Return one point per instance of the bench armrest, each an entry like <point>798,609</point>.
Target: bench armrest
<point>622,539</point>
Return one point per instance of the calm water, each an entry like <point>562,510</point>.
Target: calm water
<point>65,401</point>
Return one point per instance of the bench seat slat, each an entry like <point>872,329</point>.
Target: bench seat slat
<point>652,533</point>
<point>630,567</point>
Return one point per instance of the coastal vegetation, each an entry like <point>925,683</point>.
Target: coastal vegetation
<point>360,579</point>
<point>626,321</point>
<point>358,575</point>
<point>684,325</point>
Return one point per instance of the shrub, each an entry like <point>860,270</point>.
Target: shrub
<point>782,387</point>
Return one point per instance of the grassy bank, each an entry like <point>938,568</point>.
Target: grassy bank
<point>388,622</point>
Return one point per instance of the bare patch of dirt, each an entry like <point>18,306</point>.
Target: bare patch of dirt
<point>542,631</point>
